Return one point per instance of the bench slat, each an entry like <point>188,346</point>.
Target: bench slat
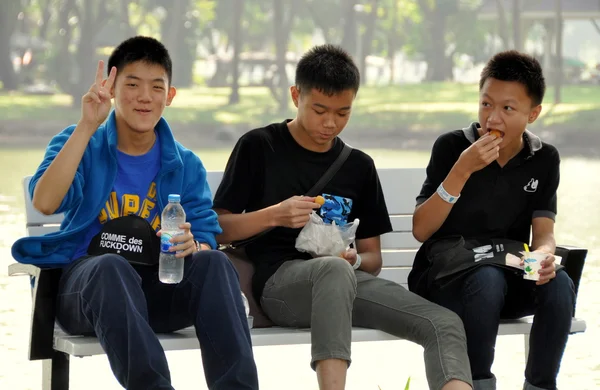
<point>400,188</point>
<point>401,223</point>
<point>41,230</point>
<point>399,240</point>
<point>395,274</point>
<point>186,339</point>
<point>398,258</point>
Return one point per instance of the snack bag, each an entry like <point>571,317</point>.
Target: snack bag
<point>321,239</point>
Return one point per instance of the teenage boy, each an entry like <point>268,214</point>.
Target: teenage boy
<point>497,180</point>
<point>118,173</point>
<point>270,171</point>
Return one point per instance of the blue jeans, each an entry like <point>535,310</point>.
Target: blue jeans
<point>125,305</point>
<point>490,293</point>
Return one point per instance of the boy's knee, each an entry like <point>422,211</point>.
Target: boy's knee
<point>487,282</point>
<point>446,319</point>
<point>110,262</point>
<point>334,271</point>
<point>559,292</point>
<point>214,260</point>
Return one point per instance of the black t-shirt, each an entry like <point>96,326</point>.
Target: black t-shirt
<point>496,202</point>
<point>268,166</point>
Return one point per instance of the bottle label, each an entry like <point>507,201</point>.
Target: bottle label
<point>165,244</point>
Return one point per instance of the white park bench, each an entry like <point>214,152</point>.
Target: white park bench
<point>400,186</point>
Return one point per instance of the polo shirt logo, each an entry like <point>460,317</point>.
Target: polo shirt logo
<point>532,185</point>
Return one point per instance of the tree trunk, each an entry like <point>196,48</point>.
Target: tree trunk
<point>180,42</point>
<point>238,13</point>
<point>350,31</point>
<point>437,69</point>
<point>502,24</point>
<point>86,50</point>
<point>46,14</point>
<point>128,30</point>
<point>62,63</point>
<point>9,9</point>
<point>516,20</point>
<point>559,53</point>
<point>392,43</point>
<point>367,40</point>
<point>321,23</point>
<point>282,29</point>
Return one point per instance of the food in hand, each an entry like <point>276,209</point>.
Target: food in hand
<point>320,200</point>
<point>496,133</point>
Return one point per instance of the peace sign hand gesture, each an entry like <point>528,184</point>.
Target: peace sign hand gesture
<point>95,104</point>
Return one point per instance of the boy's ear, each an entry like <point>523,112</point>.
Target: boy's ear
<point>171,94</point>
<point>295,92</point>
<point>534,114</point>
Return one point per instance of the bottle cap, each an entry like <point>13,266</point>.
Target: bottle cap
<point>174,198</point>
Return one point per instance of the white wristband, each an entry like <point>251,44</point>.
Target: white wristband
<point>446,197</point>
<point>357,262</point>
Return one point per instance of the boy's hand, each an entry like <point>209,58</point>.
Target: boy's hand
<point>295,211</point>
<point>479,155</point>
<point>95,104</point>
<point>183,242</point>
<point>548,270</point>
<point>349,255</point>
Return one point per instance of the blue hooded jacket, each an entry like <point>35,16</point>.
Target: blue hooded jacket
<point>181,172</point>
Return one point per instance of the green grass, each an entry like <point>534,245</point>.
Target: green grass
<point>416,107</point>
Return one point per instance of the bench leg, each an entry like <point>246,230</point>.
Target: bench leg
<point>526,347</point>
<point>55,372</point>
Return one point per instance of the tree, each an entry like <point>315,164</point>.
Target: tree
<point>435,14</point>
<point>9,10</point>
<point>180,30</point>
<point>238,13</point>
<point>372,16</point>
<point>559,52</point>
<point>397,29</point>
<point>282,27</point>
<point>444,22</point>
<point>516,21</point>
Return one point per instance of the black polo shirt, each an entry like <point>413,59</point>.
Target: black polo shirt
<point>496,202</point>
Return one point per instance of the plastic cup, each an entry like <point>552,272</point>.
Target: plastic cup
<point>532,263</point>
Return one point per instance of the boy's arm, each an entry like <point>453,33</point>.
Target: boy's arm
<point>543,220</point>
<point>56,175</point>
<point>543,241</point>
<point>431,214</point>
<point>241,226</point>
<point>369,250</point>
<point>543,235</point>
<point>241,180</point>
<point>291,213</point>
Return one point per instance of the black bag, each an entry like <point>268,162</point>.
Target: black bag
<point>453,257</point>
<point>130,236</point>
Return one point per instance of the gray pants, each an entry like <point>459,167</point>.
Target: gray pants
<point>328,296</point>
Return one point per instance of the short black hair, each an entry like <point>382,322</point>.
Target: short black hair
<point>328,69</point>
<point>140,48</point>
<point>512,65</point>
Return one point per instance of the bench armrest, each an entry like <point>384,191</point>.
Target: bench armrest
<point>573,259</point>
<point>43,308</point>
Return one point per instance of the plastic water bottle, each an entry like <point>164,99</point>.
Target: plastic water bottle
<point>170,268</point>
